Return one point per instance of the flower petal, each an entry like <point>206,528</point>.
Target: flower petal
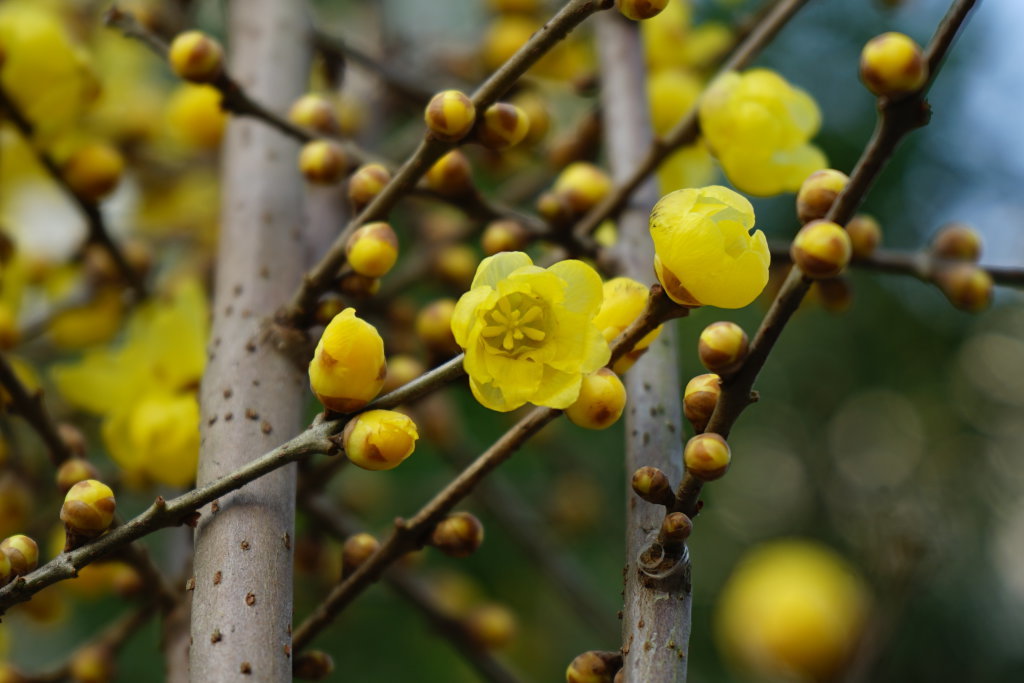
<point>584,290</point>
<point>494,269</point>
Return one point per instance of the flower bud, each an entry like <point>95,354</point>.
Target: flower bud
<point>92,664</point>
<point>582,186</point>
<point>348,367</point>
<point>316,113</point>
<point>356,550</point>
<point>700,398</point>
<point>366,183</point>
<point>957,242</point>
<point>313,665</point>
<point>458,535</point>
<point>322,162</point>
<point>22,552</point>
<point>821,249</point>
<point>456,264</point>
<point>372,249</point>
<point>450,175</point>
<point>594,666</point>
<point>624,301</point>
<point>892,64</point>
<point>402,369</point>
<point>967,286</point>
<point>196,57</point>
<point>834,293</point>
<point>87,512</point>
<point>379,439</point>
<point>73,438</point>
<point>554,208</point>
<point>359,286</point>
<point>537,113</point>
<point>6,570</point>
<point>653,485</point>
<point>491,626</point>
<point>707,456</point>
<point>818,193</point>
<point>504,125</point>
<point>673,287</point>
<point>601,400</point>
<point>723,347</point>
<point>449,115</point>
<point>865,235</point>
<point>434,327</point>
<point>675,528</point>
<point>640,9</point>
<point>327,307</point>
<point>504,235</point>
<point>93,170</point>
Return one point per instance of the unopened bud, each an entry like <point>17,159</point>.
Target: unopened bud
<point>638,10</point>
<point>700,398</point>
<point>87,512</point>
<point>504,235</point>
<point>22,552</point>
<point>322,162</point>
<point>601,400</point>
<point>675,529</point>
<point>818,192</point>
<point>458,535</point>
<point>348,366</point>
<point>314,665</point>
<point>366,183</point>
<point>723,347</point>
<point>456,264</point>
<point>380,439</point>
<point>865,235</point>
<point>653,485</point>
<point>93,170</point>
<point>957,242</point>
<point>434,327</point>
<point>892,64</point>
<point>372,249</point>
<point>356,550</point>
<point>491,626</point>
<point>450,115</point>
<point>504,125</point>
<point>967,286</point>
<point>707,456</point>
<point>594,666</point>
<point>821,249</point>
<point>582,185</point>
<point>450,175</point>
<point>316,113</point>
<point>196,57</point>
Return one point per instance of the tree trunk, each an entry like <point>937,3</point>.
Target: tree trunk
<point>656,613</point>
<point>252,396</point>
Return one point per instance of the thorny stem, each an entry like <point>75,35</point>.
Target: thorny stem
<point>31,407</point>
<point>320,278</point>
<point>340,525</point>
<point>687,130</point>
<point>95,224</point>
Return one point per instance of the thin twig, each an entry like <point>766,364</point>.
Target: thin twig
<point>897,118</point>
<point>184,508</point>
<point>409,535</point>
<point>917,264</point>
<point>96,226</point>
<point>320,278</point>
<point>339,524</point>
<point>339,50</point>
<point>687,130</point>
<point>31,407</point>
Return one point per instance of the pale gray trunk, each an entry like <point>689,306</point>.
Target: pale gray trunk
<point>656,612</point>
<point>252,397</point>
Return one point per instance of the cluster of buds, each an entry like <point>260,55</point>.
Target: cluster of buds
<point>967,286</point>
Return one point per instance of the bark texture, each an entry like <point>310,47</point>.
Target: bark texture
<point>252,396</point>
<point>656,612</point>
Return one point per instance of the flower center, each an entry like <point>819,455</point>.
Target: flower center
<point>514,325</point>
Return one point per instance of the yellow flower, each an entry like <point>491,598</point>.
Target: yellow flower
<point>759,127</point>
<point>704,252</point>
<point>529,333</point>
<point>348,366</point>
<point>145,389</point>
<point>624,301</point>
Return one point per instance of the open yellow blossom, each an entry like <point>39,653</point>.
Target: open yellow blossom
<point>759,126</point>
<point>704,252</point>
<point>529,333</point>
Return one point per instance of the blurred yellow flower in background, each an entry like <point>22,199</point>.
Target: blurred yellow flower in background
<point>145,389</point>
<point>529,333</point>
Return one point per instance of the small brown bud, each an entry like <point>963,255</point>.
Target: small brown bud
<point>707,456</point>
<point>314,665</point>
<point>504,235</point>
<point>458,535</point>
<point>491,626</point>
<point>957,242</point>
<point>594,666</point>
<point>700,398</point>
<point>675,529</point>
<point>865,235</point>
<point>73,471</point>
<point>366,183</point>
<point>818,192</point>
<point>356,550</point>
<point>723,347</point>
<point>653,485</point>
<point>821,249</point>
<point>967,286</point>
<point>22,552</point>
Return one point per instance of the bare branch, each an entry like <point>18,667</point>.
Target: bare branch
<point>31,407</point>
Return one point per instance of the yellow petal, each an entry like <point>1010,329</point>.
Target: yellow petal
<point>583,292</point>
<point>496,268</point>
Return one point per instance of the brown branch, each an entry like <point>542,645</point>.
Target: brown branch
<point>452,629</point>
<point>897,118</point>
<point>96,226</point>
<point>917,264</point>
<point>687,130</point>
<point>183,509</point>
<point>409,535</point>
<point>320,278</point>
<point>31,407</point>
